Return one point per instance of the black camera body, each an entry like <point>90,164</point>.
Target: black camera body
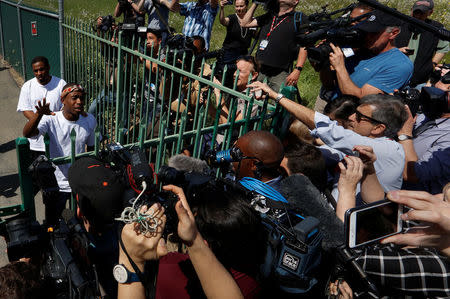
<point>431,101</point>
<point>106,24</point>
<point>63,269</point>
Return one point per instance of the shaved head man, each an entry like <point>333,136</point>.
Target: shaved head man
<point>263,153</point>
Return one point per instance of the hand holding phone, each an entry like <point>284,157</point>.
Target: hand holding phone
<point>370,223</point>
<point>429,208</point>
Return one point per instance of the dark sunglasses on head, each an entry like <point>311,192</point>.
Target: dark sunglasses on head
<point>360,116</point>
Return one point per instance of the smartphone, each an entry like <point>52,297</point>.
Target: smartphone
<point>409,52</point>
<point>373,222</point>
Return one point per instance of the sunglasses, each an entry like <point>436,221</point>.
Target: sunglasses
<point>360,116</point>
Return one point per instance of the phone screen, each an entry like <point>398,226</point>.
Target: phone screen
<point>373,223</point>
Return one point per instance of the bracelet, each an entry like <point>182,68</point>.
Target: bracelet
<point>299,68</point>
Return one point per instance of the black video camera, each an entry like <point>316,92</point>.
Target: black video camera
<point>43,173</point>
<point>63,268</point>
<point>338,31</point>
<point>106,24</point>
<point>431,101</point>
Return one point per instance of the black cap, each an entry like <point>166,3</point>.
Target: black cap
<point>377,21</point>
<point>99,190</point>
<point>423,5</point>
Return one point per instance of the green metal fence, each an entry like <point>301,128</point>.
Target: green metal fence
<point>27,32</point>
<point>164,111</point>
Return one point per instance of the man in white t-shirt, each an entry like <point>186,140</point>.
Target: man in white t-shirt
<point>43,85</point>
<point>59,125</point>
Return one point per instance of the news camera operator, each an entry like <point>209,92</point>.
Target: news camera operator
<point>99,193</point>
<point>423,48</point>
<point>377,67</point>
<point>215,279</point>
<point>426,140</point>
<point>278,28</point>
<point>129,9</point>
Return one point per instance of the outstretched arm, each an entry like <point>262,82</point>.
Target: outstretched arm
<point>216,281</point>
<point>302,113</point>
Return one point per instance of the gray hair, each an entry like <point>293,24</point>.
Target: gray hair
<point>389,110</point>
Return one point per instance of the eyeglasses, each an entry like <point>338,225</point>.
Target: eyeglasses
<point>360,116</point>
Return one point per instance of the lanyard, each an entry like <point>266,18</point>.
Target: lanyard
<point>272,28</point>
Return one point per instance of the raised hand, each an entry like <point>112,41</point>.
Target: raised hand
<point>44,108</point>
<point>428,208</point>
<point>187,229</point>
<point>149,246</point>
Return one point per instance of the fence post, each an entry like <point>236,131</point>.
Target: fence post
<point>61,37</point>
<point>119,88</point>
<point>25,180</point>
<point>1,33</point>
<point>22,51</point>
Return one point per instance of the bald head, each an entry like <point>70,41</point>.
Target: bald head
<point>265,147</point>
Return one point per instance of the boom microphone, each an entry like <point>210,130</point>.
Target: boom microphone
<point>304,197</point>
<point>188,164</point>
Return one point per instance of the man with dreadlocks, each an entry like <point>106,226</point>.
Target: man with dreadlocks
<point>59,125</point>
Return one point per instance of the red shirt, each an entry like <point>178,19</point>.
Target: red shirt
<point>177,279</point>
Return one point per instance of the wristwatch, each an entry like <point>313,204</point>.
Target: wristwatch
<point>403,137</point>
<point>279,97</point>
<point>122,275</point>
<point>299,68</point>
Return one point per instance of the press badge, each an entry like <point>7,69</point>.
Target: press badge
<point>263,44</point>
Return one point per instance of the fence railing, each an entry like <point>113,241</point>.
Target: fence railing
<point>162,102</point>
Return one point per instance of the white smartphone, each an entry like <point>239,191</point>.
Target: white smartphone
<point>373,222</point>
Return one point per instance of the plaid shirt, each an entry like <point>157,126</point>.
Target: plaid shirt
<point>199,19</point>
<point>417,272</point>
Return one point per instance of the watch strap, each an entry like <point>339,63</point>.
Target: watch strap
<point>132,277</point>
<point>404,137</point>
<point>279,97</point>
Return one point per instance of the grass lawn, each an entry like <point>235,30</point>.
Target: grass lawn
<point>309,84</point>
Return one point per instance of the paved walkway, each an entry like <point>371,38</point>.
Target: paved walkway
<point>11,127</point>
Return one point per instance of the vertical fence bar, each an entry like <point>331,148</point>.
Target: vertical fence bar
<point>119,87</point>
<point>22,50</point>
<point>2,41</point>
<point>25,180</point>
<point>61,36</point>
<point>73,136</point>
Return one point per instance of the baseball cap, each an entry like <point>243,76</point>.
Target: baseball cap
<point>99,190</point>
<point>423,5</point>
<point>378,21</point>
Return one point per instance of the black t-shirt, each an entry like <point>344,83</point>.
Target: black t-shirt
<point>282,49</point>
<point>237,37</point>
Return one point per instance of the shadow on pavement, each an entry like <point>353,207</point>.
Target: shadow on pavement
<point>8,185</point>
<point>8,146</point>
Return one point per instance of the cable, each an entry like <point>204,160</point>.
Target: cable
<point>262,188</point>
<point>147,222</point>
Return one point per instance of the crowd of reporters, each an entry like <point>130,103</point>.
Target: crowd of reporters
<point>365,141</point>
